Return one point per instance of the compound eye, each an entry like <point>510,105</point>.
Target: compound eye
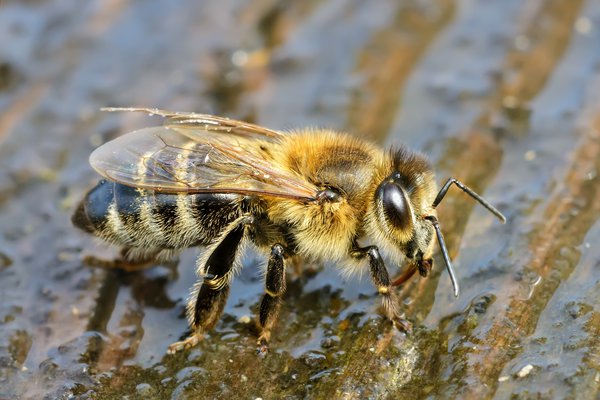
<point>396,206</point>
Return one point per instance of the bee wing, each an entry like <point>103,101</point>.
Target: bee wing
<point>206,122</point>
<point>184,159</point>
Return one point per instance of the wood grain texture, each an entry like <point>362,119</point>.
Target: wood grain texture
<point>501,95</point>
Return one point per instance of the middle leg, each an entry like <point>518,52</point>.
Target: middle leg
<point>421,264</point>
<point>270,305</point>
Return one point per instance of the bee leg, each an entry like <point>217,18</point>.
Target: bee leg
<point>275,286</point>
<point>405,275</point>
<point>209,307</point>
<point>424,267</point>
<point>123,262</point>
<point>381,280</point>
<point>209,297</point>
<point>420,264</point>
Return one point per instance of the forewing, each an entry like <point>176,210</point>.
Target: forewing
<point>193,161</point>
<point>192,122</point>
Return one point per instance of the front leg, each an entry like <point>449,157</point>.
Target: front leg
<point>381,280</point>
<point>421,264</point>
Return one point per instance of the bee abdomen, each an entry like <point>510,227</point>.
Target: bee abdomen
<point>93,209</point>
<point>81,220</point>
<point>138,218</point>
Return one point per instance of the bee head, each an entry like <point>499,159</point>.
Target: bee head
<point>404,209</point>
<point>403,195</point>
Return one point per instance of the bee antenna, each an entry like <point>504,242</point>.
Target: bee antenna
<point>444,250</point>
<point>470,192</point>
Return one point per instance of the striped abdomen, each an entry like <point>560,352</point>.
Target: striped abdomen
<point>138,218</point>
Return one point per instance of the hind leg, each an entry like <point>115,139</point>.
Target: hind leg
<point>209,296</point>
<point>131,259</point>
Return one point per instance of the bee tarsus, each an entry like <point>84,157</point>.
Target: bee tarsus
<point>187,343</point>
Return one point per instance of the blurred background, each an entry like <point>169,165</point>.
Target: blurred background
<point>503,95</point>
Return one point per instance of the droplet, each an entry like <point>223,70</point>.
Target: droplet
<point>239,58</point>
<point>530,155</point>
<point>522,43</point>
<point>144,389</point>
<point>526,370</point>
<point>583,25</point>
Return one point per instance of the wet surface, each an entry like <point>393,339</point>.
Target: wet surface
<point>501,95</point>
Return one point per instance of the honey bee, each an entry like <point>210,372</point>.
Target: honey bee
<point>202,180</point>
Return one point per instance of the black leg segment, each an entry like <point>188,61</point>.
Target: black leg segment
<point>219,264</point>
<point>208,299</point>
<point>274,288</point>
<point>209,306</point>
<point>381,280</point>
<point>420,264</point>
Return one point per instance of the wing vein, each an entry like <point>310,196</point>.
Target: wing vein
<point>196,153</point>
